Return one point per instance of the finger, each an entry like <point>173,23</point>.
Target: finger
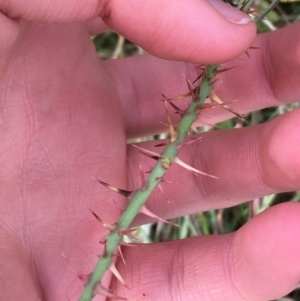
<point>96,26</point>
<point>194,31</point>
<point>159,27</point>
<point>17,277</point>
<point>259,262</point>
<point>268,78</point>
<point>249,163</point>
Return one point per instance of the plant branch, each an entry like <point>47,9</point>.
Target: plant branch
<point>140,196</point>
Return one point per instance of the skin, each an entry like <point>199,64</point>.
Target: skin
<point>66,116</point>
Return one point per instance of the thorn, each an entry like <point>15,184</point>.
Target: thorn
<point>244,5</point>
<point>213,82</point>
<point>181,96</point>
<point>126,244</point>
<point>218,71</point>
<point>162,191</point>
<point>201,67</point>
<point>114,270</point>
<point>193,140</point>
<point>253,47</point>
<point>142,175</point>
<point>198,77</point>
<point>207,106</point>
<point>147,212</point>
<point>144,182</point>
<point>104,253</point>
<point>148,153</point>
<point>172,130</point>
<point>128,233</point>
<point>123,192</point>
<point>165,124</point>
<point>161,144</point>
<point>165,97</point>
<point>85,278</point>
<point>100,290</point>
<point>191,89</point>
<point>250,48</point>
<point>121,254</point>
<point>162,180</point>
<point>177,110</point>
<point>190,168</point>
<point>103,241</point>
<point>215,98</point>
<point>107,226</point>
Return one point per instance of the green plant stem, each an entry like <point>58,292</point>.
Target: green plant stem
<point>264,13</point>
<point>141,195</point>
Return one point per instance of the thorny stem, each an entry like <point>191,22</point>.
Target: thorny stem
<point>141,195</point>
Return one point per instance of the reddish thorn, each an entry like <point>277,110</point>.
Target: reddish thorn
<point>189,142</point>
<point>148,153</point>
<point>126,244</point>
<point>121,254</point>
<point>162,180</point>
<point>107,226</point>
<point>165,97</point>
<point>100,290</point>
<point>123,192</point>
<point>190,168</point>
<point>116,273</point>
<point>253,47</point>
<point>103,241</point>
<point>190,86</point>
<point>162,191</point>
<point>224,70</point>
<point>215,98</point>
<point>172,130</point>
<point>104,252</point>
<point>147,212</point>
<point>128,233</point>
<point>142,175</point>
<point>160,144</point>
<point>198,77</point>
<point>177,110</point>
<point>84,278</point>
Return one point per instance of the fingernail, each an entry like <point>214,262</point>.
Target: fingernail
<point>230,13</point>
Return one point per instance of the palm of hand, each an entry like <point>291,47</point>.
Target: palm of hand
<point>56,115</point>
<point>59,104</point>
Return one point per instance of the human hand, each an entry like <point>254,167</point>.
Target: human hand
<point>65,116</point>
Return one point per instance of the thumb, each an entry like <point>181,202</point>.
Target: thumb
<point>197,31</point>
